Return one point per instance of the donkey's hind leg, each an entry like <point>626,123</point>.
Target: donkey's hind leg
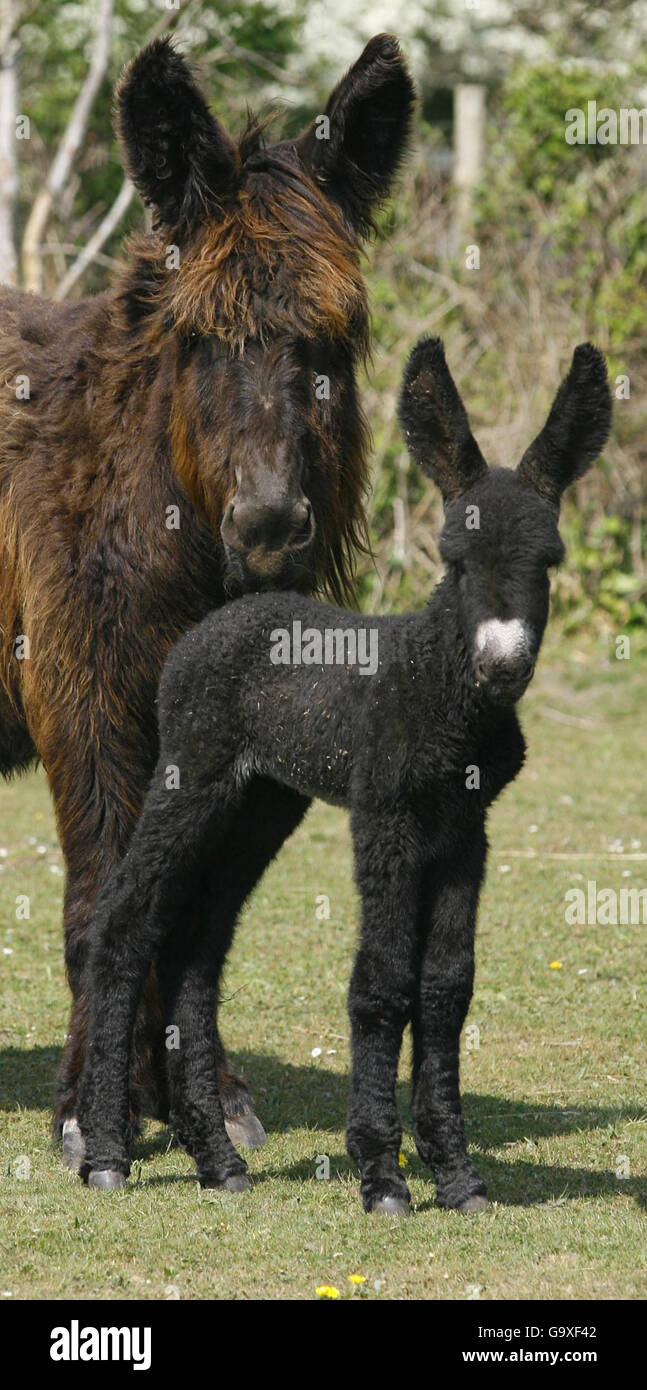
<point>17,750</point>
<point>190,967</point>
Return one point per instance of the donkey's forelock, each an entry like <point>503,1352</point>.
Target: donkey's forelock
<point>277,260</point>
<point>267,236</point>
<point>283,264</point>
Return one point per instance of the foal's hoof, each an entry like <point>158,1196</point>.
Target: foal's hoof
<point>236,1182</point>
<point>73,1145</point>
<point>392,1206</point>
<point>107,1179</point>
<point>246,1131</point>
<point>239,1182</point>
<point>476,1203</point>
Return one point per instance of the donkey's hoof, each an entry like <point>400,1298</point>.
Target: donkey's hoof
<point>476,1203</point>
<point>392,1206</point>
<point>107,1179</point>
<point>246,1131</point>
<point>72,1144</point>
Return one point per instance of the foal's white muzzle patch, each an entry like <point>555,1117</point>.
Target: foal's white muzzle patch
<point>505,640</point>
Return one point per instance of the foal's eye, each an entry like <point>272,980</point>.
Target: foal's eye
<point>549,561</point>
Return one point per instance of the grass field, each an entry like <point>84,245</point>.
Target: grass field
<point>554,1094</point>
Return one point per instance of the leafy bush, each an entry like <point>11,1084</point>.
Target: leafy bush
<point>563,257</point>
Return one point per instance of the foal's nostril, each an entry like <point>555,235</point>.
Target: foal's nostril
<point>498,673</point>
<point>481,673</point>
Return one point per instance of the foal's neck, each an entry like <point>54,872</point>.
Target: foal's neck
<point>445,652</point>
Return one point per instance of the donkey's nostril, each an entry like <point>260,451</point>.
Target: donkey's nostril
<point>481,673</point>
<point>250,524</point>
<point>302,521</point>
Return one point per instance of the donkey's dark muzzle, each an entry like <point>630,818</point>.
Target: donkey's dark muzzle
<point>250,525</point>
<point>269,551</point>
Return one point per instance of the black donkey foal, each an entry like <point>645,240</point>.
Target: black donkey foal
<point>417,750</point>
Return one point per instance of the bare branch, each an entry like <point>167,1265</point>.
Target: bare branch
<point>67,151</point>
<point>229,48</point>
<point>104,231</point>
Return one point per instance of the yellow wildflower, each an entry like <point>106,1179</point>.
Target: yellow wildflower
<point>327,1291</point>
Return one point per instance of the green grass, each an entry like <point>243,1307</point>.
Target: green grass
<point>554,1095</point>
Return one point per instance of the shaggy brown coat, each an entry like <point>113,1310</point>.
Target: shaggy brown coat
<point>129,423</point>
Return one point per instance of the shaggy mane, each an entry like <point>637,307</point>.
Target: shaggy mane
<point>278,259</point>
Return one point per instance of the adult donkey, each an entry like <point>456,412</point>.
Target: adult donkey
<point>191,433</point>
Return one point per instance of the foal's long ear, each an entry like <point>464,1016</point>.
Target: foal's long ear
<point>576,430</point>
<point>179,158</point>
<point>369,114</point>
<point>435,424</point>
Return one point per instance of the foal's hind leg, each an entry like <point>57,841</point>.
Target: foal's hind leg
<point>447,921</point>
<point>268,816</point>
<point>144,899</point>
<point>387,854</point>
<point>191,962</point>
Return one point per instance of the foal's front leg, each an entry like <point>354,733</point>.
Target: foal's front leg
<point>381,1001</point>
<point>449,902</point>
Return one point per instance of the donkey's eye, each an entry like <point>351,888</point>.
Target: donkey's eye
<point>189,338</point>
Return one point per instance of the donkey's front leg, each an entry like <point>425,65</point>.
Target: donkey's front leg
<point>380,1004</point>
<point>448,916</point>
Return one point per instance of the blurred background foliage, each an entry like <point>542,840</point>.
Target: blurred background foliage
<point>560,231</point>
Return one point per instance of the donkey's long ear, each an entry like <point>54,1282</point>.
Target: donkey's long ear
<point>576,429</point>
<point>435,424</point>
<point>179,158</point>
<point>369,115</point>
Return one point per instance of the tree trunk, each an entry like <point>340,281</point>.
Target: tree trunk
<point>68,149</point>
<point>9,46</point>
<point>469,128</point>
